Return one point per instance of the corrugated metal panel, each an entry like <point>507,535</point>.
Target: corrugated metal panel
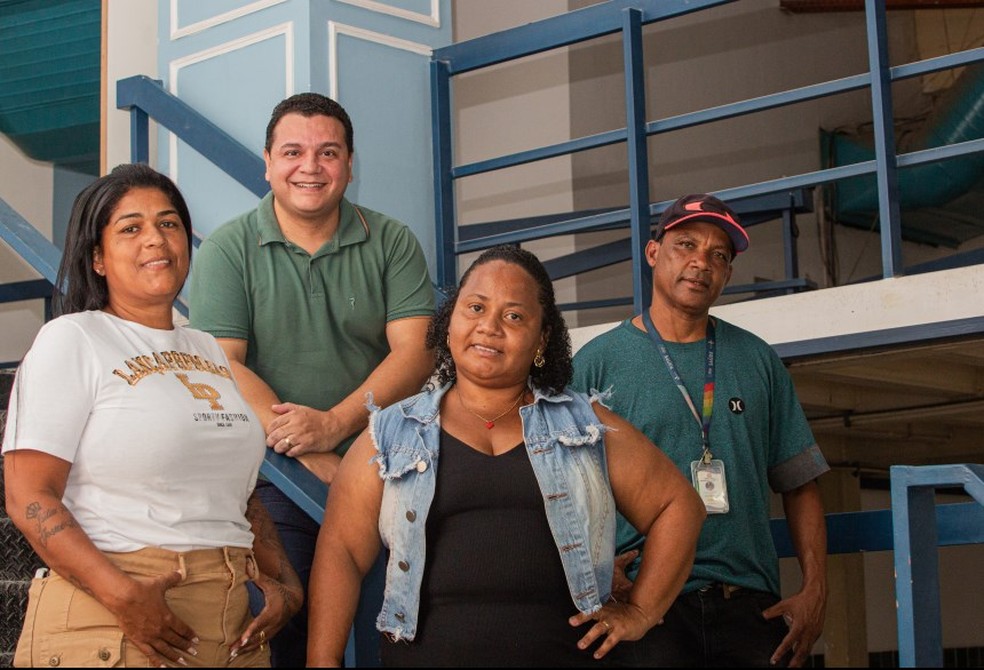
<point>49,77</point>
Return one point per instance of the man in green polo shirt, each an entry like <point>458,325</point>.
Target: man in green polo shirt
<point>317,302</point>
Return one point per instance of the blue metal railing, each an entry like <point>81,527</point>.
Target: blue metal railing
<point>918,530</point>
<point>38,252</point>
<point>627,17</point>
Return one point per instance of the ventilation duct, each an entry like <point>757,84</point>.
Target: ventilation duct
<point>941,202</point>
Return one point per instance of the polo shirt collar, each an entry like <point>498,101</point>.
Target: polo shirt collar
<point>352,228</point>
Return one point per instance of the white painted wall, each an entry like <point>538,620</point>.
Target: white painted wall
<point>130,47</point>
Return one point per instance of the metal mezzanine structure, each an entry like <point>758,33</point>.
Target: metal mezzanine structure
<point>627,18</point>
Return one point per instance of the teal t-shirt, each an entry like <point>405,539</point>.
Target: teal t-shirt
<point>315,324</point>
<point>758,429</point>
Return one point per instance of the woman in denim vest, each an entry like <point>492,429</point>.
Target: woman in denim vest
<point>495,494</point>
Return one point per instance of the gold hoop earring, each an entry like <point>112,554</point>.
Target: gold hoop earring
<point>538,360</point>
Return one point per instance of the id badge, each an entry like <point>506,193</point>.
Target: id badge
<point>709,480</point>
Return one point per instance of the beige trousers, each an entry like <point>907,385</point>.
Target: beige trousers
<point>64,626</point>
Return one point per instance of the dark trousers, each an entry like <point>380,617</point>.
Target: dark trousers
<point>299,533</point>
<point>710,627</point>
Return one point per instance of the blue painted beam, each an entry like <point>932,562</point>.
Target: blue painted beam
<point>889,212</point>
<point>144,95</point>
<point>444,209</point>
<point>31,289</point>
<point>640,221</point>
<point>28,243</point>
<point>850,532</point>
<point>550,151</point>
<point>565,29</point>
<point>297,482</point>
<point>916,534</point>
<point>973,326</point>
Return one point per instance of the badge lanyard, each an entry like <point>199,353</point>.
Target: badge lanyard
<point>703,419</point>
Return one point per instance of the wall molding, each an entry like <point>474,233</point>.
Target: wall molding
<point>174,68</point>
<point>336,29</point>
<point>433,19</point>
<point>197,27</point>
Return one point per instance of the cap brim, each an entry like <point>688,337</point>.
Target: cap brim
<point>739,238</point>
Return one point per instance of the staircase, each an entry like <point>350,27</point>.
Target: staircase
<point>17,560</point>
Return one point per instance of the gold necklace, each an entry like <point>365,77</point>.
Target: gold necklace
<point>490,423</point>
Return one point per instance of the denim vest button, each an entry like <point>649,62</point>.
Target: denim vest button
<point>411,516</point>
<point>421,466</point>
<point>404,566</point>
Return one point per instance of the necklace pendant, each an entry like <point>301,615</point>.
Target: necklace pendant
<point>490,424</point>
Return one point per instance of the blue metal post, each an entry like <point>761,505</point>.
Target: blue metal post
<point>790,235</point>
<point>886,175</point>
<point>139,136</point>
<point>916,573</point>
<point>447,259</point>
<point>635,113</point>
<point>916,535</point>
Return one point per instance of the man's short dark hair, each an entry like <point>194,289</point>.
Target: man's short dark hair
<point>310,104</point>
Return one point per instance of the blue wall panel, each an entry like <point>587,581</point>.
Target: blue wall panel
<point>393,167</point>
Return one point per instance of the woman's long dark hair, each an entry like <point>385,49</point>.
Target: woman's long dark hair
<point>557,370</point>
<point>78,288</point>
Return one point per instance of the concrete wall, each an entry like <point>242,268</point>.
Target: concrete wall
<point>27,186</point>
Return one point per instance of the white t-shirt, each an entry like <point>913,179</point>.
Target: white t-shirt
<point>164,449</point>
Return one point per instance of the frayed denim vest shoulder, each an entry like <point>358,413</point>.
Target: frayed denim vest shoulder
<point>565,443</point>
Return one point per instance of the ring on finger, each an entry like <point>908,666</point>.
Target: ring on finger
<point>289,443</point>
<point>608,626</point>
<point>262,636</point>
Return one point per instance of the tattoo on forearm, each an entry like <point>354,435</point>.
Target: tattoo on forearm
<point>40,515</point>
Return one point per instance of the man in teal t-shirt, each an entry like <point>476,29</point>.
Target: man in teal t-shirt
<point>317,302</point>
<point>719,401</point>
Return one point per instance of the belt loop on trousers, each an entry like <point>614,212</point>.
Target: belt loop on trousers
<point>728,590</point>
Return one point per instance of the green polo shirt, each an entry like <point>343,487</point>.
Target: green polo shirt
<point>315,324</point>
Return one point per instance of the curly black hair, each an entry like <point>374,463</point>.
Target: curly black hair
<point>557,371</point>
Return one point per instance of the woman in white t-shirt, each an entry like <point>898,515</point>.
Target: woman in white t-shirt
<point>130,457</point>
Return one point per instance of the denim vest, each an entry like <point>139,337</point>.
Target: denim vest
<point>564,442</point>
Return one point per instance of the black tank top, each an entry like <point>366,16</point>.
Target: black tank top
<point>494,591</point>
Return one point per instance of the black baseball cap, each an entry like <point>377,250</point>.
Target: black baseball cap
<point>703,207</point>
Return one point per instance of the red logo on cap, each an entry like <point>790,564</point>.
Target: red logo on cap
<point>694,207</point>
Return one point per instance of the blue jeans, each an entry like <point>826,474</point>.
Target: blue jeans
<point>299,534</point>
<point>704,628</point>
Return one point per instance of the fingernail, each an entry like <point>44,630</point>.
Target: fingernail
<point>182,661</point>
<point>192,651</point>
<point>195,640</point>
<point>235,652</point>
